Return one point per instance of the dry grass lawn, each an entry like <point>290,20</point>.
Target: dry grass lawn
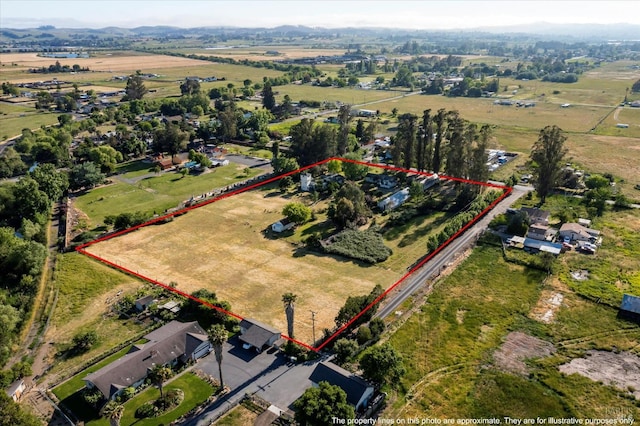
<point>130,62</point>
<point>222,247</point>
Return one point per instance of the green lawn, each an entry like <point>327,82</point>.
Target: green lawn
<point>196,392</point>
<point>155,194</point>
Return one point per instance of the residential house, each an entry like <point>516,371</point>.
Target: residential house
<point>143,303</point>
<point>173,343</point>
<point>257,334</point>
<point>536,215</point>
<point>541,232</point>
<point>16,389</point>
<point>282,225</point>
<point>395,200</point>
<point>630,307</point>
<point>577,232</point>
<point>387,182</point>
<point>358,391</point>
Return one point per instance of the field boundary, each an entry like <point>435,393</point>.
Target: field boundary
<point>81,249</point>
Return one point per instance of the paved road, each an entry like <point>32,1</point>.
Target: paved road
<point>434,266</point>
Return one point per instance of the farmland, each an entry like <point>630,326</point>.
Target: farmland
<point>243,266</point>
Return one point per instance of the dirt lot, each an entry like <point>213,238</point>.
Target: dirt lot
<point>222,247</point>
<point>103,63</point>
<point>621,370</point>
<point>519,347</point>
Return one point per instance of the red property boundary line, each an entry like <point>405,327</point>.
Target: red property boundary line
<point>81,249</point>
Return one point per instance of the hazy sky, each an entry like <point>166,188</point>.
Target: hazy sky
<point>394,14</point>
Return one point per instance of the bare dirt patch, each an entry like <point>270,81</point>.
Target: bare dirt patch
<point>222,247</point>
<point>519,347</point>
<point>621,370</point>
<point>548,304</point>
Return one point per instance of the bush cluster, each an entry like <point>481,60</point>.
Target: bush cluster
<point>367,246</point>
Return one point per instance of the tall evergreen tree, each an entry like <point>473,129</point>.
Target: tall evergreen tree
<point>344,119</point>
<point>440,121</point>
<point>548,153</point>
<point>268,99</point>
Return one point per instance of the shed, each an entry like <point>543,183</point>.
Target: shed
<point>16,389</point>
<point>358,391</point>
<point>258,334</point>
<point>143,303</point>
<point>630,307</point>
<point>545,246</point>
<point>394,200</point>
<point>282,225</point>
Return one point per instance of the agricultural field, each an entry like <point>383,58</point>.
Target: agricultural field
<point>245,266</point>
<point>478,348</point>
<point>259,53</point>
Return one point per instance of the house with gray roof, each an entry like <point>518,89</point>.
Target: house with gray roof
<point>258,334</point>
<point>358,391</point>
<point>173,343</point>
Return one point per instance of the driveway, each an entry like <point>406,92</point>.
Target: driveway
<point>267,375</point>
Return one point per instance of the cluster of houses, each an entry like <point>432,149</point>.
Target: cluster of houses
<point>543,238</point>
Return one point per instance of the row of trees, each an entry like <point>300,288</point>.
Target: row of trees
<point>442,142</point>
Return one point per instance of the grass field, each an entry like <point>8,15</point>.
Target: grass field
<point>448,347</point>
<point>154,194</point>
<point>12,126</point>
<point>578,118</point>
<point>233,258</point>
<point>84,288</point>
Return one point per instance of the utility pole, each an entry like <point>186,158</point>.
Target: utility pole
<point>313,326</point>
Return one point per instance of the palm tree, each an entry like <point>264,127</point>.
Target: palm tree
<point>289,299</point>
<point>113,411</point>
<point>158,375</point>
<point>217,337</point>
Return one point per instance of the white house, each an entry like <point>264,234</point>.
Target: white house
<point>282,225</point>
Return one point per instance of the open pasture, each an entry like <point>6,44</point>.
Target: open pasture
<point>259,53</point>
<point>482,110</point>
<point>222,247</point>
<point>129,62</point>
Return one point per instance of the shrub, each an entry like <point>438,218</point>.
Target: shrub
<point>367,246</point>
<point>145,410</point>
<point>363,335</point>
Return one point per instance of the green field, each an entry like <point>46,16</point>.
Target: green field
<point>155,194</point>
<point>448,347</point>
<point>12,126</point>
<point>85,287</point>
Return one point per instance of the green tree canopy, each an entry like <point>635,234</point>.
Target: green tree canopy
<point>135,88</point>
<point>85,175</point>
<point>297,212</point>
<point>548,153</point>
<point>318,405</point>
<point>382,364</point>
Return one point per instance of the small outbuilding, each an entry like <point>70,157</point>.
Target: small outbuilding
<point>282,225</point>
<point>630,308</point>
<point>257,334</point>
<point>16,389</point>
<point>395,200</point>
<point>143,303</point>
